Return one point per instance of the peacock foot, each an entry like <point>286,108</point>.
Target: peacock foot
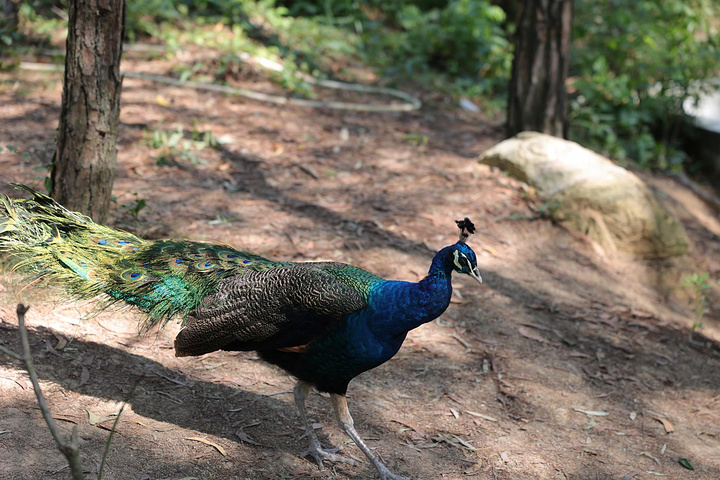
<point>386,474</point>
<point>321,454</point>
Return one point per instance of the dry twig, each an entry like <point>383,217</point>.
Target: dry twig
<point>69,449</point>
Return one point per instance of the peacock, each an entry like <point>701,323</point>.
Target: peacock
<point>323,322</point>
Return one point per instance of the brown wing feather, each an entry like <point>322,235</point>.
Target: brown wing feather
<point>282,307</point>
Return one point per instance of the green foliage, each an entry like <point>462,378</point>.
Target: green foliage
<point>14,38</point>
<point>547,209</point>
<point>462,39</point>
<point>698,285</point>
<point>143,18</point>
<point>173,147</point>
<point>633,65</point>
<point>134,207</point>
<point>457,45</point>
<point>41,20</point>
<point>448,45</point>
<point>227,29</point>
<point>8,36</point>
<point>418,140</point>
<point>16,150</point>
<point>290,78</point>
<point>634,62</point>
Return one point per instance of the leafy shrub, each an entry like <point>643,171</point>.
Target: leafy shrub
<point>142,17</point>
<point>634,63</point>
<point>462,40</point>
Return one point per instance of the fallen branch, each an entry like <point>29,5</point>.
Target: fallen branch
<point>710,199</point>
<point>69,449</point>
<point>409,102</point>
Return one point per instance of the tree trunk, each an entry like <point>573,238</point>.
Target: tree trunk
<point>10,15</point>
<point>84,165</point>
<point>538,96</point>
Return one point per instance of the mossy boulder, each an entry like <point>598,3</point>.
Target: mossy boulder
<point>593,195</point>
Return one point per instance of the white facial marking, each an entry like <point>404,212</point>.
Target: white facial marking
<point>457,262</point>
<point>457,256</point>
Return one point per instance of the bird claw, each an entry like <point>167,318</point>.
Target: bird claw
<point>386,474</point>
<point>392,476</point>
<point>321,454</point>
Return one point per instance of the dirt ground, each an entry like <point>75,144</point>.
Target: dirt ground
<point>564,364</point>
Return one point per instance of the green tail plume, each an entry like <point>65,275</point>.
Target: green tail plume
<point>163,279</point>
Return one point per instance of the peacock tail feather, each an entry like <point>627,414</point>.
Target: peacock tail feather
<point>163,278</point>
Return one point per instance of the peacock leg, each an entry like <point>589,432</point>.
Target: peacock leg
<point>346,422</point>
<point>302,389</point>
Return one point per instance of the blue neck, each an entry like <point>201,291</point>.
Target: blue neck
<point>403,306</point>
<point>442,265</point>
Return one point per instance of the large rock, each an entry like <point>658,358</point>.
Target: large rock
<point>593,195</point>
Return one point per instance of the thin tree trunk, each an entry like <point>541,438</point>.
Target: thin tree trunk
<point>84,165</point>
<point>538,97</point>
<point>10,15</point>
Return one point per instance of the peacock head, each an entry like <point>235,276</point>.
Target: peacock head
<point>464,258</point>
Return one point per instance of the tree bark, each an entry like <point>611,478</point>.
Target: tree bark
<point>538,96</point>
<point>10,15</point>
<point>84,165</point>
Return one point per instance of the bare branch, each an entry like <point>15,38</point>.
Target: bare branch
<point>71,450</point>
<point>12,354</point>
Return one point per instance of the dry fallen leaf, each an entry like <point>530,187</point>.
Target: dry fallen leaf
<point>64,419</point>
<point>461,340</point>
<point>650,457</point>
<point>666,424</point>
<point>94,419</point>
<point>579,355</point>
<point>464,443</point>
<point>524,332</point>
<point>278,149</point>
<point>244,437</point>
<point>480,415</point>
<point>534,325</point>
<point>50,348</point>
<point>592,412</point>
<point>208,442</point>
<point>641,314</point>
<point>84,376</point>
<point>62,342</point>
<point>409,424</point>
<point>240,433</point>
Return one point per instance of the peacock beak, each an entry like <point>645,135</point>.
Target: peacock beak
<point>475,273</point>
